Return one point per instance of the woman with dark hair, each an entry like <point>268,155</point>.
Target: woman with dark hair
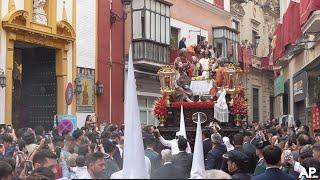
<point>90,123</point>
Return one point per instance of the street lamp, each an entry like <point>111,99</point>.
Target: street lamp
<point>114,17</point>
<point>232,78</point>
<point>2,79</point>
<point>78,84</point>
<point>126,3</point>
<point>99,88</point>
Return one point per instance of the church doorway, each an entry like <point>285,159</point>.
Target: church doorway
<point>34,92</point>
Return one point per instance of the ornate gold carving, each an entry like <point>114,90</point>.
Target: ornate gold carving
<point>41,27</point>
<point>38,40</point>
<point>11,5</point>
<point>16,21</point>
<point>17,17</point>
<point>39,13</point>
<point>65,29</point>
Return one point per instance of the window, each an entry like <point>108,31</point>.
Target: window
<point>200,39</point>
<point>146,113</point>
<point>235,25</point>
<point>151,20</point>
<point>271,101</point>
<point>226,42</point>
<point>286,98</point>
<point>151,24</point>
<point>254,42</point>
<point>174,38</point>
<point>255,104</point>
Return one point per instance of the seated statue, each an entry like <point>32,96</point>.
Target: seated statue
<point>195,67</point>
<point>182,83</point>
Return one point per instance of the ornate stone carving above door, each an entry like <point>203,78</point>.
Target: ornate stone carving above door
<point>39,13</point>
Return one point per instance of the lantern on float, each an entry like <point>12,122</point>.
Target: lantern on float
<point>167,76</point>
<point>232,78</point>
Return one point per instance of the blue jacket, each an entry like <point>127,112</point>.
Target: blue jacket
<point>273,174</point>
<point>214,157</point>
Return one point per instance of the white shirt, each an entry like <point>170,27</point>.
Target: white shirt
<point>148,164</point>
<point>298,167</point>
<point>86,175</point>
<point>173,144</point>
<point>119,174</point>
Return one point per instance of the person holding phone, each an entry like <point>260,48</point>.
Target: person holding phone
<point>9,145</point>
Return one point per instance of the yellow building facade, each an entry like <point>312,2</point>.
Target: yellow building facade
<point>36,37</point>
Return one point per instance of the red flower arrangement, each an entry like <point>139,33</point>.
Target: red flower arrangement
<point>159,108</point>
<point>239,106</point>
<point>206,105</point>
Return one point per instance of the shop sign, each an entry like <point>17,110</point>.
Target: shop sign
<point>300,83</point>
<point>298,88</point>
<point>279,85</point>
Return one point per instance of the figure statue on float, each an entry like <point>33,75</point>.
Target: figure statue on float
<point>182,82</point>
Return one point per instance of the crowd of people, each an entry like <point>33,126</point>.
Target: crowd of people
<point>268,151</point>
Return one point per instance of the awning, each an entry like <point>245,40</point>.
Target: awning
<point>279,48</point>
<point>291,26</point>
<point>306,8</point>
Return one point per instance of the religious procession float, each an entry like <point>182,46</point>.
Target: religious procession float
<point>207,86</point>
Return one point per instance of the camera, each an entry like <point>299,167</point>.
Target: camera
<point>287,154</point>
<point>9,128</point>
<point>28,166</point>
<point>98,139</point>
<point>58,152</point>
<point>47,138</point>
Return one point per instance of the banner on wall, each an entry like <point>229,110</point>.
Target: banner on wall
<point>66,123</point>
<point>279,85</point>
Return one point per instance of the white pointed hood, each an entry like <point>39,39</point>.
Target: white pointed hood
<point>198,170</point>
<point>182,131</point>
<point>134,161</point>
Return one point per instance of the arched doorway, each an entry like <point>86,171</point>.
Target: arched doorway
<point>46,51</point>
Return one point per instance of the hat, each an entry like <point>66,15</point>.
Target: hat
<point>216,138</point>
<point>226,141</point>
<point>237,157</point>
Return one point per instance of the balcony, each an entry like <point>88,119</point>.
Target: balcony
<point>149,54</point>
<point>174,53</point>
<point>261,63</point>
<point>313,23</point>
<point>256,62</point>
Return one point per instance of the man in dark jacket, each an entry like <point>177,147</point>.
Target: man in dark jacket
<point>207,144</point>
<point>272,157</point>
<point>183,159</point>
<point>182,43</point>
<point>237,164</point>
<point>111,163</point>
<point>149,141</point>
<point>168,170</point>
<point>214,157</point>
